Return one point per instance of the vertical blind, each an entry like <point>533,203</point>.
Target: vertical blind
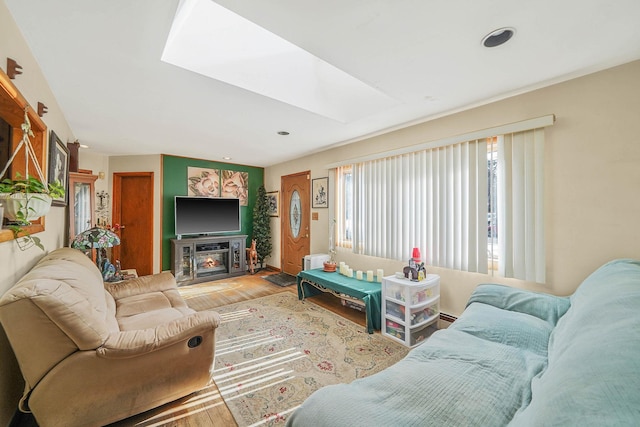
<point>521,239</point>
<point>437,200</point>
<point>432,199</point>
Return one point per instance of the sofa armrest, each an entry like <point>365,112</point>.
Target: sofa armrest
<point>133,343</point>
<point>547,307</point>
<point>141,285</point>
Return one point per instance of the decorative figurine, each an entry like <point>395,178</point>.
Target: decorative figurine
<point>410,273</point>
<point>422,271</point>
<point>415,271</point>
<point>253,256</point>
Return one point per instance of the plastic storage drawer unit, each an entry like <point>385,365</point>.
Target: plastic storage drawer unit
<point>410,310</point>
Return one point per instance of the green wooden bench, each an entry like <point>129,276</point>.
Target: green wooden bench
<point>313,282</point>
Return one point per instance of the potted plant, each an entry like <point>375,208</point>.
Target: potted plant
<point>25,200</point>
<point>262,226</point>
<point>330,265</point>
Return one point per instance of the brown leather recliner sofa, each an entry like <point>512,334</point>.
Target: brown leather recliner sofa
<point>94,353</point>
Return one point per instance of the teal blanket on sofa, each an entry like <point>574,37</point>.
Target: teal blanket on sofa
<point>513,357</point>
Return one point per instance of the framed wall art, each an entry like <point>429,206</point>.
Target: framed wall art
<point>59,167</point>
<point>203,182</point>
<point>236,185</point>
<point>320,193</point>
<point>273,203</point>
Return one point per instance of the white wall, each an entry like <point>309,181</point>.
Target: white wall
<point>592,177</point>
<point>33,86</point>
<point>96,163</point>
<point>14,263</point>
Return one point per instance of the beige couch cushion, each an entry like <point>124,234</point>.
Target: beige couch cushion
<point>146,301</point>
<point>145,311</point>
<point>65,286</point>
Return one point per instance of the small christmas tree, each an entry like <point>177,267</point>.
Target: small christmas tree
<point>262,226</point>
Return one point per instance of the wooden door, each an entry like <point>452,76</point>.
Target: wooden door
<point>295,221</point>
<point>133,211</point>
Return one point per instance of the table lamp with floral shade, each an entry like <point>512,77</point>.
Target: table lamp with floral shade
<point>97,238</point>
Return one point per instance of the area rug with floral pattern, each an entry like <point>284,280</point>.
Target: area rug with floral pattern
<point>273,352</point>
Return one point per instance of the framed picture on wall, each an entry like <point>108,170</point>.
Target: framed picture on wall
<point>236,186</point>
<point>273,202</point>
<point>320,193</point>
<point>58,167</point>
<point>203,182</point>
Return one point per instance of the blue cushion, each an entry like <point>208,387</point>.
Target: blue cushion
<point>544,306</point>
<point>506,327</point>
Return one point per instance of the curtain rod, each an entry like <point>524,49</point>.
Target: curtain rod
<point>536,123</point>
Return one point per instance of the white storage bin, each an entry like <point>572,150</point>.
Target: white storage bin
<point>414,292</point>
<point>410,310</point>
<point>394,329</point>
<point>422,314</point>
<point>418,335</point>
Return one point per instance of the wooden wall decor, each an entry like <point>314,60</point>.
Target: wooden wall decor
<point>74,154</point>
<point>13,68</point>
<point>42,109</point>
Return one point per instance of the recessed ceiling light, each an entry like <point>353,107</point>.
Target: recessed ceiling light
<point>226,158</point>
<point>283,132</point>
<point>498,37</point>
<point>84,146</point>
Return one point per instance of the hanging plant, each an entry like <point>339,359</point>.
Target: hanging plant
<point>26,199</point>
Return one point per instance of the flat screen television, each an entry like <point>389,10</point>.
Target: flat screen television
<point>206,215</point>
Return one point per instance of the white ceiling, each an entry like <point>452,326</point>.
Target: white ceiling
<point>102,61</point>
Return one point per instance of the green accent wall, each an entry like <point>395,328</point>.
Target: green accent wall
<point>174,183</point>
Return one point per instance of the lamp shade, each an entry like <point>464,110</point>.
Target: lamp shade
<point>95,237</point>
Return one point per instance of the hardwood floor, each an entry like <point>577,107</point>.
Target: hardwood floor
<point>206,407</point>
<point>243,288</point>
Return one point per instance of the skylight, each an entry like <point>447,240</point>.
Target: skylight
<point>208,39</point>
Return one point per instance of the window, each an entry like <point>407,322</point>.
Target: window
<point>472,206</point>
<point>520,203</point>
<point>5,143</point>
<point>344,192</point>
<point>492,203</point>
